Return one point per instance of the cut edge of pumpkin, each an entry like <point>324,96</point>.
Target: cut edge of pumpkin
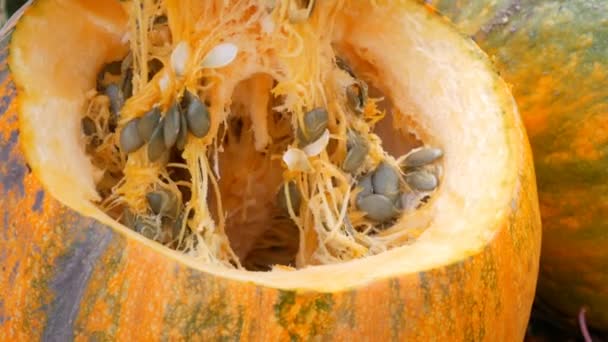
<point>450,86</point>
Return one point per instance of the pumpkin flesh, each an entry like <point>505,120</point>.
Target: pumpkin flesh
<point>483,221</point>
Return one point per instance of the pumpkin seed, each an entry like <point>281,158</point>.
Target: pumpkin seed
<point>356,95</point>
<point>421,180</point>
<point>315,123</point>
<point>130,140</point>
<point>171,126</point>
<point>421,156</point>
<point>88,126</point>
<point>126,82</point>
<point>295,197</point>
<point>183,133</point>
<point>366,186</point>
<point>156,145</point>
<point>378,207</point>
<point>116,99</point>
<point>148,122</point>
<point>162,203</point>
<point>385,181</point>
<point>357,151</point>
<point>197,116</point>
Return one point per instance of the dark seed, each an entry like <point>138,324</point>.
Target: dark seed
<point>116,99</point>
<point>422,156</point>
<point>421,180</point>
<point>315,123</point>
<point>386,181</point>
<point>130,140</point>
<point>294,196</point>
<point>162,203</point>
<point>148,123</point>
<point>155,200</point>
<point>378,207</point>
<point>88,126</point>
<point>156,145</point>
<point>366,186</point>
<point>183,133</point>
<point>197,116</point>
<point>356,95</point>
<point>357,151</point>
<point>126,70</point>
<point>171,126</point>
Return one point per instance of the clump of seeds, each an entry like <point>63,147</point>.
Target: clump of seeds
<point>340,191</point>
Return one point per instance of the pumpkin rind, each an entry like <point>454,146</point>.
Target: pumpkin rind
<point>554,53</point>
<point>66,276</point>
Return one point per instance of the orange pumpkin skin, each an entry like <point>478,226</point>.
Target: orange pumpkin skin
<point>554,55</point>
<point>66,276</point>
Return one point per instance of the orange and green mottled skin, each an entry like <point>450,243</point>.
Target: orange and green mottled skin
<point>66,277</point>
<point>555,55</point>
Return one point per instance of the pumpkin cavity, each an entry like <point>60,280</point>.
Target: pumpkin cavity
<point>249,148</point>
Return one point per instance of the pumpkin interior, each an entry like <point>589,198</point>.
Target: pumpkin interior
<point>437,84</point>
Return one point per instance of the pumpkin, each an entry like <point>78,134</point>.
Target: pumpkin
<point>553,53</point>
<point>460,264</point>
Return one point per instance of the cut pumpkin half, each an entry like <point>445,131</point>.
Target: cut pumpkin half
<point>362,154</point>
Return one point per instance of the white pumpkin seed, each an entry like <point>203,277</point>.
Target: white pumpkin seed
<point>179,57</point>
<point>220,56</point>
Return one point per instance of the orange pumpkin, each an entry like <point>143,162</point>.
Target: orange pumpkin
<point>71,270</point>
<point>554,55</point>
